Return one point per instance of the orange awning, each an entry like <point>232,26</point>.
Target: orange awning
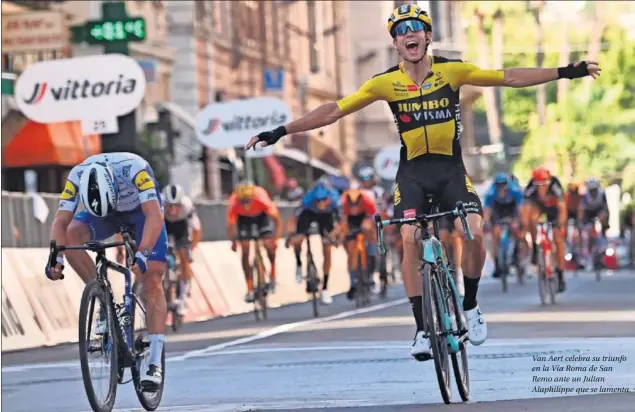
<point>38,144</point>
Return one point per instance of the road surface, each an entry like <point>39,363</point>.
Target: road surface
<point>358,360</point>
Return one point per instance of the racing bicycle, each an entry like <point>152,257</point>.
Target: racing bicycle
<point>259,271</point>
<point>505,252</point>
<point>442,305</point>
<point>360,268</point>
<point>124,341</point>
<point>312,277</point>
<point>547,281</point>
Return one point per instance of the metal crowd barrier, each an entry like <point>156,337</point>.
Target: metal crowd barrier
<point>20,228</point>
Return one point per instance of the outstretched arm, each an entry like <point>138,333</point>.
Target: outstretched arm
<point>324,115</point>
<point>526,76</point>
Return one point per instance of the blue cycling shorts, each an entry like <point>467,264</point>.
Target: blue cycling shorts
<point>104,227</point>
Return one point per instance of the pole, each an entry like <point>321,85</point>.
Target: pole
<point>126,139</point>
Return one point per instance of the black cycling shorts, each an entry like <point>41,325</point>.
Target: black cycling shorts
<point>254,227</point>
<point>325,222</point>
<point>551,211</point>
<point>502,212</point>
<point>447,223</point>
<point>590,215</point>
<point>354,224</point>
<point>445,180</point>
<point>179,230</point>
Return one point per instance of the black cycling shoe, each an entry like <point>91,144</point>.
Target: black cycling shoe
<point>350,295</point>
<point>534,255</point>
<point>496,274</point>
<point>561,284</point>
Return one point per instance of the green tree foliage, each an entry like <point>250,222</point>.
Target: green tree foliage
<point>593,133</point>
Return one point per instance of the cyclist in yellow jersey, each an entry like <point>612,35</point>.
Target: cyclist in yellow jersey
<point>423,94</point>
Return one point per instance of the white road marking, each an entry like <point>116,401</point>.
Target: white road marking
<point>285,328</point>
<point>204,352</point>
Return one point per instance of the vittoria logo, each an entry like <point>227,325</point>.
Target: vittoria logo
<point>89,89</point>
<point>81,89</point>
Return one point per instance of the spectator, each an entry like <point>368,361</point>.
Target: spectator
<point>292,191</point>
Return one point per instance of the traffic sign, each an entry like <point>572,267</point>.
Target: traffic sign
<point>274,79</point>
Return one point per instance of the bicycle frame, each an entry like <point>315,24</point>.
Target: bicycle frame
<point>432,254</point>
<point>102,265</point>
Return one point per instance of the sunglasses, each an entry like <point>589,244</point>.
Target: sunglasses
<point>402,28</point>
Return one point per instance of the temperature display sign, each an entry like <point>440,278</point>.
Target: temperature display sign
<point>118,30</point>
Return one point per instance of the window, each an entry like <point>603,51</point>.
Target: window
<point>249,26</point>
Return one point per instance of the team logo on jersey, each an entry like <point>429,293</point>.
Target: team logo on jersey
<point>69,191</point>
<point>468,185</point>
<point>125,171</point>
<point>396,195</point>
<point>143,181</point>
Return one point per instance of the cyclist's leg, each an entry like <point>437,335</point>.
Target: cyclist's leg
<point>83,228</point>
<point>244,226</point>
<point>410,204</point>
<point>156,310</point>
<point>303,225</point>
<point>459,187</point>
<point>265,228</point>
<point>531,211</point>
<point>496,238</point>
<point>182,247</point>
<point>326,227</point>
<point>604,220</point>
<point>559,242</point>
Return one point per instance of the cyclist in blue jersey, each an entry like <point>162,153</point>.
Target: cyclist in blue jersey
<point>320,205</point>
<point>502,200</point>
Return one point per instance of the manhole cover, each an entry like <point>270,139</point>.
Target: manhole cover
<point>409,359</point>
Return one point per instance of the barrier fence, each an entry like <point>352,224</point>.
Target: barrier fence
<point>20,228</point>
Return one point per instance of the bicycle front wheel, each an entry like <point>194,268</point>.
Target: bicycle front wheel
<point>459,359</point>
<point>433,315</point>
<point>312,283</point>
<point>96,300</point>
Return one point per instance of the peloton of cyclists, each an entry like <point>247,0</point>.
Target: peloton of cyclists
<point>184,227</point>
<point>250,207</point>
<point>320,205</point>
<point>544,195</point>
<point>503,200</point>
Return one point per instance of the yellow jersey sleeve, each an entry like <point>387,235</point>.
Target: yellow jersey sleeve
<point>366,94</point>
<point>468,73</point>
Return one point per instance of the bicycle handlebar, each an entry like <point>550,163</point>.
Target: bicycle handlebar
<point>93,246</point>
<point>420,220</point>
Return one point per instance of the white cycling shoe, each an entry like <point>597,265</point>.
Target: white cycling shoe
<point>476,326</point>
<point>298,274</point>
<point>421,348</point>
<point>100,327</point>
<point>180,307</point>
<point>326,297</point>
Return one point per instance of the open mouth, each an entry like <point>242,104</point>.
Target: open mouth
<point>412,45</point>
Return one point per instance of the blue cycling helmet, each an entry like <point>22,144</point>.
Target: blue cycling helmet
<point>501,179</point>
<point>322,189</point>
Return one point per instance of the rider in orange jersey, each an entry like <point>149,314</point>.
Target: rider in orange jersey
<point>359,210</point>
<point>250,207</point>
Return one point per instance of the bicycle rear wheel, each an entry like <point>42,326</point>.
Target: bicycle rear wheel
<point>433,312</point>
<point>107,345</point>
<point>149,400</point>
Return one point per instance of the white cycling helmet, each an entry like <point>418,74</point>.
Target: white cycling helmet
<point>172,194</point>
<point>98,189</point>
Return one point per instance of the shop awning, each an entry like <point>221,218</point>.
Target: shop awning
<point>37,144</point>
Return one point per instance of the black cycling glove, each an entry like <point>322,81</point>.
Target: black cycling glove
<point>573,72</point>
<point>272,136</point>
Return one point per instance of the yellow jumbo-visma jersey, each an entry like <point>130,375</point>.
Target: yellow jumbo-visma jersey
<point>428,117</point>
